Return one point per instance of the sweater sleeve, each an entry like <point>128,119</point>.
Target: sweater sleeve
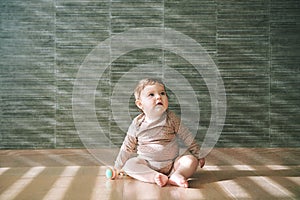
<point>185,135</point>
<point>127,149</point>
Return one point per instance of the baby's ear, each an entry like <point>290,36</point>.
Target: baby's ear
<point>138,103</point>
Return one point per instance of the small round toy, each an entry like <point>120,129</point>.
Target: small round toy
<point>110,173</point>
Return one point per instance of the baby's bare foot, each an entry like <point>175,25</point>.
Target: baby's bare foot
<point>178,180</point>
<point>161,179</point>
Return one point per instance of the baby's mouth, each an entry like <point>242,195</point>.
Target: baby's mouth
<point>159,104</point>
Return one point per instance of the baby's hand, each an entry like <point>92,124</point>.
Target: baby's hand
<point>201,162</point>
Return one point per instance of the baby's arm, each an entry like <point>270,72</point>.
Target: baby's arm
<point>188,138</point>
<point>127,149</point>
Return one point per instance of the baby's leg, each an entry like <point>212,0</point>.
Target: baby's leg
<point>137,168</point>
<point>184,167</point>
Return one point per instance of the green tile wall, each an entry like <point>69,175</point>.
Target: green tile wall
<point>255,45</point>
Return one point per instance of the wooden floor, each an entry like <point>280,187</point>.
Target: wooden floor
<point>230,173</point>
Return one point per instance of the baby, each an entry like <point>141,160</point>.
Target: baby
<point>153,136</point>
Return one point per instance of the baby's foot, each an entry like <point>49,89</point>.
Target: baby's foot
<point>161,179</point>
<point>178,180</point>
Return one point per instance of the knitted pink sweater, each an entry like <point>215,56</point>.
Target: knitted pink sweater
<point>156,142</point>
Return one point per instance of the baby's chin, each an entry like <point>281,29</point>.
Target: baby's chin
<point>159,110</point>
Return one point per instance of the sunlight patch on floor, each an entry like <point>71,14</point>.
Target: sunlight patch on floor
<point>294,179</point>
<point>233,190</point>
<point>271,187</point>
<point>4,169</point>
<point>22,183</point>
<point>62,184</point>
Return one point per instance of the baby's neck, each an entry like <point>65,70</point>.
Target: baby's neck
<point>150,119</point>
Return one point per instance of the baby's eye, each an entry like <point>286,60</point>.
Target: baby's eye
<point>151,95</point>
<point>163,93</point>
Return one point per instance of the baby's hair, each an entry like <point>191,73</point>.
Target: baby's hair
<point>143,83</point>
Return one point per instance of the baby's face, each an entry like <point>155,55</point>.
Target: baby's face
<point>153,100</point>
